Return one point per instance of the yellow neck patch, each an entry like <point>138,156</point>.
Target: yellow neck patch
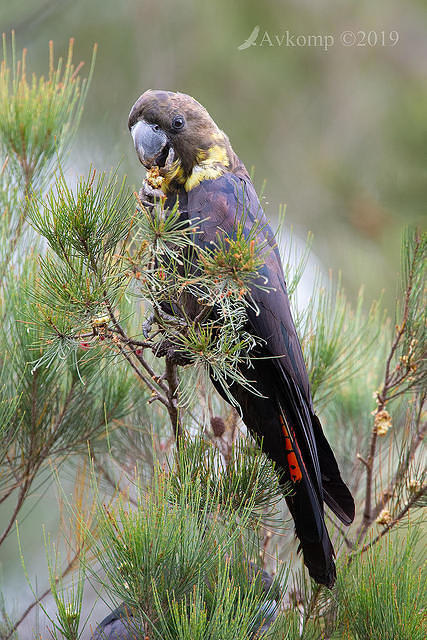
<point>210,164</point>
<point>174,173</point>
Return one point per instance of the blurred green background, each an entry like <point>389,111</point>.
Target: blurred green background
<point>339,135</point>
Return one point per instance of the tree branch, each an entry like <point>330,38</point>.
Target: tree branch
<point>417,439</point>
<point>173,409</point>
<point>383,397</point>
<point>145,380</point>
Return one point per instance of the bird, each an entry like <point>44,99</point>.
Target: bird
<point>118,625</point>
<point>175,134</point>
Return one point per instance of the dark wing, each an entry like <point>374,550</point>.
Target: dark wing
<point>216,204</point>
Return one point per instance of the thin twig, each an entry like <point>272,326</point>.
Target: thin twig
<point>10,490</point>
<point>45,593</point>
<point>110,480</point>
<point>171,377</point>
<point>140,358</point>
<point>31,467</point>
<point>131,341</point>
<point>414,498</point>
<point>403,467</point>
<point>383,398</point>
<point>26,612</point>
<point>21,498</point>
<point>173,409</point>
<point>145,380</point>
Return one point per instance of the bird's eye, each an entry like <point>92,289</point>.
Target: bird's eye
<point>178,122</point>
<point>156,127</point>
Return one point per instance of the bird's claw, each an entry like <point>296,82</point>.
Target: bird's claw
<point>147,192</point>
<point>149,197</point>
<point>166,349</point>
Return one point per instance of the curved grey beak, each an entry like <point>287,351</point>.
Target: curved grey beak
<point>149,142</point>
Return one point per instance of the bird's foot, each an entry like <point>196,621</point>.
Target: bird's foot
<point>148,197</point>
<point>166,349</point>
<point>149,194</point>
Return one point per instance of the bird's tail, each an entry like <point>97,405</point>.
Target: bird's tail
<point>292,436</point>
<point>335,491</point>
<point>306,507</point>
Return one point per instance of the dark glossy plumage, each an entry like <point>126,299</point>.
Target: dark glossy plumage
<point>282,377</point>
<point>284,419</point>
<point>118,625</point>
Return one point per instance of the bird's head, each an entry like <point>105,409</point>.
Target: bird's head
<point>175,133</point>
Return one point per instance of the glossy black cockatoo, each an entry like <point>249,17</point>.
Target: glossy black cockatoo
<point>175,133</point>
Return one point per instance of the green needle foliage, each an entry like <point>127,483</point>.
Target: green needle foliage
<point>69,608</point>
<point>388,603</point>
<point>87,275</point>
<point>246,480</point>
<point>410,351</point>
<point>88,224</point>
<point>336,339</point>
<point>180,560</point>
<point>54,413</point>
<point>40,115</point>
<point>113,321</point>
